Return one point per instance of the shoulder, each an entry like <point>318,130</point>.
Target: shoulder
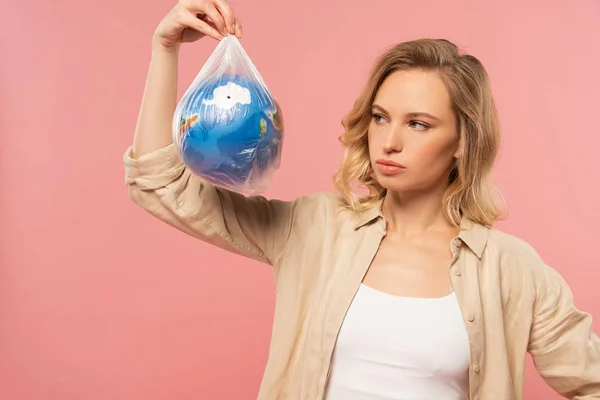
<point>519,259</point>
<point>317,207</point>
<point>320,199</point>
<point>318,202</point>
<point>326,209</point>
<point>511,246</point>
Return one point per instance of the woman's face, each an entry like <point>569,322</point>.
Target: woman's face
<point>413,138</point>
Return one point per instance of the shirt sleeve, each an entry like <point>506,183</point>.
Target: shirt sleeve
<point>252,226</point>
<point>564,348</point>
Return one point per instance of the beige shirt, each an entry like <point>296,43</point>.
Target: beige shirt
<point>512,303</point>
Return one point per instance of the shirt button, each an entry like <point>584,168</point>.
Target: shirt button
<point>476,368</point>
<point>457,272</point>
<point>471,318</point>
<point>457,242</point>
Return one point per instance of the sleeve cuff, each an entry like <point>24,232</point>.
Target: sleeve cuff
<point>153,170</point>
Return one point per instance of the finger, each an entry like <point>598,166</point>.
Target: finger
<point>215,16</point>
<point>209,22</point>
<point>238,28</point>
<point>190,20</point>
<point>227,14</point>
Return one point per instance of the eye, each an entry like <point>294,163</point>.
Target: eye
<point>418,125</point>
<point>378,118</point>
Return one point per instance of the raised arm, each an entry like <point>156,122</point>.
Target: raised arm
<point>157,179</point>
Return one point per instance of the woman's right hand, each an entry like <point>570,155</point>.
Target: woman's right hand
<point>191,20</point>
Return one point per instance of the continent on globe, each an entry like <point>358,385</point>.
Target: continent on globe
<point>186,123</point>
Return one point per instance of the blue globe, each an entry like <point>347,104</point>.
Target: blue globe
<point>231,133</point>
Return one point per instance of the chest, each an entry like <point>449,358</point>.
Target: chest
<point>317,292</point>
<point>390,347</point>
<point>418,267</point>
<point>404,333</point>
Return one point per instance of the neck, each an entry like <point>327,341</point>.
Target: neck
<point>416,212</point>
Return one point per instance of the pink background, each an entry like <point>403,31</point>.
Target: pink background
<point>100,301</point>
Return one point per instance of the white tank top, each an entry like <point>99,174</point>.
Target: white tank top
<point>400,348</point>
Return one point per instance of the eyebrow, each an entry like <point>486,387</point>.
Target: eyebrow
<point>408,115</point>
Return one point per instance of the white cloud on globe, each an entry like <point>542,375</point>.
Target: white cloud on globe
<point>227,96</point>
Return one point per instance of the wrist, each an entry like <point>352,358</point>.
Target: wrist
<point>160,49</point>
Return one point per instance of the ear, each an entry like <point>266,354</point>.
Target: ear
<point>459,151</point>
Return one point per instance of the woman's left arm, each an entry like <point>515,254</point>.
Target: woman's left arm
<point>565,350</point>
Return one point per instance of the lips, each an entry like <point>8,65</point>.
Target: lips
<point>390,163</point>
<point>389,167</point>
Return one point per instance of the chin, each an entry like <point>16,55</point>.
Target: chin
<point>403,184</point>
<point>395,183</point>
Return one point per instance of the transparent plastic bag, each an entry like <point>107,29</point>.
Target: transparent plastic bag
<point>228,127</point>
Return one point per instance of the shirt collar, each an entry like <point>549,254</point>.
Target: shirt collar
<point>473,234</point>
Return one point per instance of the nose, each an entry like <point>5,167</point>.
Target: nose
<point>393,142</point>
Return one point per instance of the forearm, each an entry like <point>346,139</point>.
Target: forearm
<point>153,130</point>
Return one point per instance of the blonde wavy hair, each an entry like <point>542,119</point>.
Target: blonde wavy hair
<point>470,192</point>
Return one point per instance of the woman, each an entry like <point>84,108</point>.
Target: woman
<point>372,301</point>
